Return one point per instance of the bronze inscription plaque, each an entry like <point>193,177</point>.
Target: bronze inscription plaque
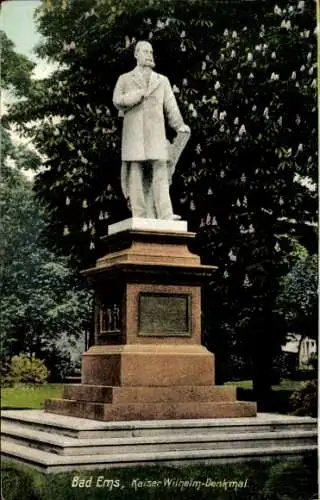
<point>164,314</point>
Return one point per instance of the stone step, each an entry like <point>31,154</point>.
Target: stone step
<point>52,462</point>
<point>113,394</point>
<point>83,446</point>
<point>86,428</point>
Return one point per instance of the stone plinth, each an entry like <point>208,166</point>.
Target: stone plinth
<point>147,361</point>
<point>175,226</point>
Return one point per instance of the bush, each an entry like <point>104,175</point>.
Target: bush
<point>304,400</point>
<point>26,369</point>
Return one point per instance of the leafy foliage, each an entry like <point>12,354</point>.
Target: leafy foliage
<point>41,297</point>
<point>15,68</point>
<point>304,401</point>
<point>298,298</point>
<point>245,82</point>
<point>16,72</point>
<point>27,370</point>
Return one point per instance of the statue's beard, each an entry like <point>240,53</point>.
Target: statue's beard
<point>150,64</point>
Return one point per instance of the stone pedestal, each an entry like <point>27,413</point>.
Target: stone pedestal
<point>147,361</point>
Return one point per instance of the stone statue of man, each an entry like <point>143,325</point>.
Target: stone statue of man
<point>143,98</point>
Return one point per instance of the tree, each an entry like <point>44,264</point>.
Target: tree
<point>16,68</point>
<point>298,297</point>
<point>244,78</point>
<point>41,298</point>
<point>16,71</point>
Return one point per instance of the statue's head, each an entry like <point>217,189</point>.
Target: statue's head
<point>144,54</point>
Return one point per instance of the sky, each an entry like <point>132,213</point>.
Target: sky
<point>18,23</point>
<point>16,20</point>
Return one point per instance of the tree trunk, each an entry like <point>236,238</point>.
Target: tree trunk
<point>302,337</point>
<point>262,376</point>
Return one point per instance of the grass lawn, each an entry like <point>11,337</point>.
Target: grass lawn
<point>275,480</point>
<point>29,396</point>
<point>285,384</point>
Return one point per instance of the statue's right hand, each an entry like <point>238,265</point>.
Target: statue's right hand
<point>131,99</point>
<point>143,93</point>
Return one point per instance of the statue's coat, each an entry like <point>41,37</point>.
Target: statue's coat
<point>143,133</point>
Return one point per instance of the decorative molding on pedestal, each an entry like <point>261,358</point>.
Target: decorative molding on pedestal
<point>175,226</point>
<point>147,361</point>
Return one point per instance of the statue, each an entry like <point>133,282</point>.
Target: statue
<point>142,98</point>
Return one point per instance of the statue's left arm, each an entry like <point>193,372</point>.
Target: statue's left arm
<point>171,107</point>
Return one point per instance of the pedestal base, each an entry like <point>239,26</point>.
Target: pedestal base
<point>150,403</point>
<point>153,411</point>
<point>149,382</point>
<point>152,365</point>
